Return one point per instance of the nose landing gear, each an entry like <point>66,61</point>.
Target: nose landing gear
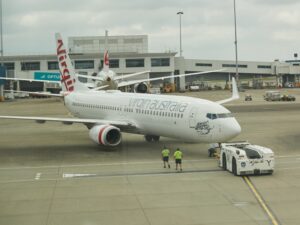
<point>213,150</point>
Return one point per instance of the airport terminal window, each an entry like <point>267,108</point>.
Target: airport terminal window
<point>135,62</point>
<point>233,65</point>
<point>264,67</point>
<point>84,64</point>
<point>30,66</point>
<point>9,66</point>
<point>204,64</point>
<point>53,65</point>
<point>160,62</point>
<point>113,63</point>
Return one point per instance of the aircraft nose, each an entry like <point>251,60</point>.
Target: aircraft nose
<point>230,129</point>
<point>233,128</point>
<point>236,128</point>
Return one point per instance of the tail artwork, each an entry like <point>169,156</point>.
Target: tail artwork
<point>106,61</point>
<point>68,78</point>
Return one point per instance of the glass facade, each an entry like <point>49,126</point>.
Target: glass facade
<point>160,62</point>
<point>53,65</point>
<point>264,67</point>
<point>84,64</point>
<point>204,64</point>
<point>30,66</point>
<point>9,66</point>
<point>233,65</point>
<point>135,62</point>
<point>113,63</point>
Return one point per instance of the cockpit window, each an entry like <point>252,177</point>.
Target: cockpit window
<point>224,115</point>
<point>213,116</point>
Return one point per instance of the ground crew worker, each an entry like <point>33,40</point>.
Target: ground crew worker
<point>165,156</point>
<point>178,158</point>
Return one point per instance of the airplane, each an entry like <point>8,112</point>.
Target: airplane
<point>107,79</point>
<point>108,113</point>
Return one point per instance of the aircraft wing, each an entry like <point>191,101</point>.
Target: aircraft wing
<point>68,121</point>
<point>37,93</point>
<point>126,83</point>
<point>131,75</point>
<point>89,77</point>
<point>30,80</point>
<point>235,93</point>
<point>116,78</point>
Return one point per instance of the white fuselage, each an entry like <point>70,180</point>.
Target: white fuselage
<point>108,78</point>
<point>179,117</point>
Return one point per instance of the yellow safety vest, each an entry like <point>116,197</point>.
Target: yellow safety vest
<point>165,152</point>
<point>178,154</point>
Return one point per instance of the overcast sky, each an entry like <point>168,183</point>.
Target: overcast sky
<point>266,29</point>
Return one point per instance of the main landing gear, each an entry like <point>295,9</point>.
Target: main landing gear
<point>152,138</point>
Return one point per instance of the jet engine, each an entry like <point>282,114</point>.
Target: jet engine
<point>141,87</point>
<point>105,135</point>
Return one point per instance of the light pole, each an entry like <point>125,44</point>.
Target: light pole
<point>1,60</point>
<point>180,13</point>
<point>1,34</point>
<point>235,43</point>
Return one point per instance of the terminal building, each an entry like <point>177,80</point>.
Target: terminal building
<point>130,54</point>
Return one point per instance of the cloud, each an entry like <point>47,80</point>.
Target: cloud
<point>207,25</point>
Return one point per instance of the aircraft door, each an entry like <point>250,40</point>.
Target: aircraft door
<point>193,117</point>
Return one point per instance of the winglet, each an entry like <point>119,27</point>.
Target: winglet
<point>235,93</point>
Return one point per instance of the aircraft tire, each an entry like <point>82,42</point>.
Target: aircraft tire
<point>224,162</point>
<point>152,138</point>
<point>234,169</point>
<point>155,138</point>
<point>149,138</point>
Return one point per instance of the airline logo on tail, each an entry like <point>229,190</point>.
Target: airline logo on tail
<point>106,60</point>
<point>65,72</point>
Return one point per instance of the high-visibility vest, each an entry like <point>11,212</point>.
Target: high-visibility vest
<point>178,154</point>
<point>165,152</point>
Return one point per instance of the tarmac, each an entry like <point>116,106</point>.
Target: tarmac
<point>54,174</point>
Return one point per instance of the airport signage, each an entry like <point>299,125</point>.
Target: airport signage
<point>51,76</point>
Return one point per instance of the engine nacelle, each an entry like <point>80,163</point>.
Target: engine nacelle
<point>106,135</point>
<point>141,87</point>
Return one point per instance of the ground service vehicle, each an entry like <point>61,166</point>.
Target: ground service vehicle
<point>243,158</point>
<point>288,98</point>
<point>248,97</point>
<point>272,96</point>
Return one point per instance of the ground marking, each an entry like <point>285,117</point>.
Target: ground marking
<point>261,201</point>
<point>38,176</point>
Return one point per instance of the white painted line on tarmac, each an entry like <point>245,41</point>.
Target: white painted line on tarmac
<point>287,156</point>
<point>288,168</point>
<point>72,175</point>
<point>38,176</point>
<point>99,164</point>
